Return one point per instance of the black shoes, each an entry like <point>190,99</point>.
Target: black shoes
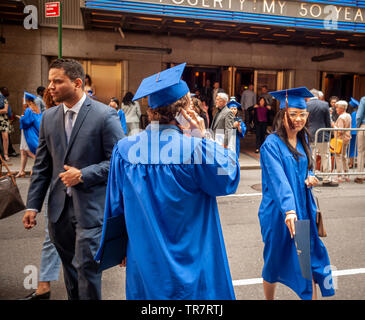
<point>34,296</point>
<point>330,184</point>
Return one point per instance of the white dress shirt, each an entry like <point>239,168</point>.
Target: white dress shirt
<point>75,108</point>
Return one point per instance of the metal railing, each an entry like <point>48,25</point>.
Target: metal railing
<point>332,164</point>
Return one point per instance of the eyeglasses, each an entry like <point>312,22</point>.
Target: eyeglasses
<point>301,115</point>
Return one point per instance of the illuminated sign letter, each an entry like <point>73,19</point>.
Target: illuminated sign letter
<point>271,8</point>
<point>220,3</point>
<point>359,14</point>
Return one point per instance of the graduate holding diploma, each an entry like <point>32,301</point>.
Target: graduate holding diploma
<point>164,184</point>
<point>286,164</point>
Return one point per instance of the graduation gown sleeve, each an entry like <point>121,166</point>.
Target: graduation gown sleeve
<point>219,173</point>
<point>113,243</point>
<point>123,122</point>
<point>275,178</point>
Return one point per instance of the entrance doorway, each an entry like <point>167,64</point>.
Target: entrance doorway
<point>196,77</point>
<point>106,77</point>
<point>342,85</point>
<point>337,84</point>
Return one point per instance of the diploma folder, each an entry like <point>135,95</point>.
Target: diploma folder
<point>302,244</point>
<point>115,243</point>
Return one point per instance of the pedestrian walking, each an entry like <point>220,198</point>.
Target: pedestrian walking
<point>261,117</point>
<point>248,101</point>
<point>50,266</point>
<point>132,111</point>
<point>114,103</point>
<point>4,125</point>
<point>238,124</point>
<point>30,122</point>
<point>175,246</point>
<point>222,124</point>
<point>286,162</point>
<point>76,166</point>
<point>360,123</point>
<point>343,121</point>
<point>353,149</point>
<point>319,117</point>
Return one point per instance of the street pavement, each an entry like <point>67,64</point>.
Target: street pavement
<point>344,215</point>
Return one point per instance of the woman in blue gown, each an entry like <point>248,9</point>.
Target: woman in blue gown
<point>165,184</point>
<point>238,124</point>
<point>30,122</point>
<point>114,103</point>
<point>286,197</point>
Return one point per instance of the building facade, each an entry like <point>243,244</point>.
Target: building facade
<point>281,44</point>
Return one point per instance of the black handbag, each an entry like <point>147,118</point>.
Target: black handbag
<point>11,201</point>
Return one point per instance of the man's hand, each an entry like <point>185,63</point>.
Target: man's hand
<point>29,220</point>
<point>71,177</point>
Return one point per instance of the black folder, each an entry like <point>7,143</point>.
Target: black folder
<point>114,247</point>
<point>302,243</point>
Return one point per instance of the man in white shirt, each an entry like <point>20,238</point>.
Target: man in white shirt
<point>248,101</point>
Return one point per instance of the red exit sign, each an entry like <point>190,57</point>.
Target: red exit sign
<point>52,9</point>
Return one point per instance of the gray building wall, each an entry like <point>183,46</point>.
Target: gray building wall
<point>25,55</point>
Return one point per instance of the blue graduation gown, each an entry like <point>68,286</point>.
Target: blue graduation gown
<point>122,120</point>
<point>284,189</point>
<point>240,135</point>
<point>175,244</point>
<point>30,122</point>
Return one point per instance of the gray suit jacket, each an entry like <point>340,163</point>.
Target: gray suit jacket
<point>95,132</point>
<point>319,117</point>
<point>223,120</point>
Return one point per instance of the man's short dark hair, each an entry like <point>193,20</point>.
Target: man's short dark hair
<point>40,90</point>
<point>72,68</point>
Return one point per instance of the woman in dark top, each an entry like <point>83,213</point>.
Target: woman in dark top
<point>261,118</point>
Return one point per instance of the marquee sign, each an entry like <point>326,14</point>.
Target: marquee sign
<point>314,10</point>
<point>347,15</point>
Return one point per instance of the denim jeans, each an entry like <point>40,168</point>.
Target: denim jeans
<point>50,260</point>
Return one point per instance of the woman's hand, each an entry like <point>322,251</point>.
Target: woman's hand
<point>290,219</point>
<point>311,181</point>
<point>192,117</point>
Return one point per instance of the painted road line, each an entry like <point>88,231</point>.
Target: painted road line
<point>335,273</point>
<point>243,195</point>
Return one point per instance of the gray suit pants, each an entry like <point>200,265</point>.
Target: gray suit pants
<point>77,247</point>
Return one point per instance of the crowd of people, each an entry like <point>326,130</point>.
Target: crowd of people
<point>114,201</point>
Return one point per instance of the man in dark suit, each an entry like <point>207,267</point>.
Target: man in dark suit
<point>76,140</point>
<point>222,124</point>
<point>319,117</point>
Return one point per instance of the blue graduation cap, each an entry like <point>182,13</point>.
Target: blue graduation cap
<point>295,97</point>
<point>29,96</point>
<point>163,88</point>
<point>233,103</point>
<point>354,103</point>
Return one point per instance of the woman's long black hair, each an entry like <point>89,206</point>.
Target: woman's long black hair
<point>303,136</point>
<point>127,100</point>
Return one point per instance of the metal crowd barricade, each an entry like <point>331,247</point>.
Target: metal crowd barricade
<point>332,163</point>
